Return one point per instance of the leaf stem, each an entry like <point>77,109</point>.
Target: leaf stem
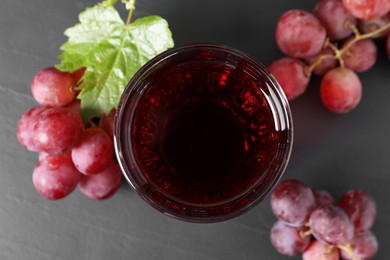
<point>130,5</point>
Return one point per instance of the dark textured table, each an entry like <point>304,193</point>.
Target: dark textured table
<point>334,152</point>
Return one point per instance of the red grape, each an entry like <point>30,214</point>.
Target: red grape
<point>51,87</point>
<point>364,247</point>
<point>57,130</point>
<point>299,34</point>
<point>326,63</point>
<point>55,177</point>
<point>361,209</point>
<point>288,240</point>
<point>93,153</point>
<point>334,17</point>
<point>361,56</point>
<point>290,73</point>
<point>331,225</point>
<point>322,198</point>
<point>25,127</point>
<point>320,251</point>
<point>292,202</point>
<point>340,90</point>
<point>107,122</point>
<point>102,185</point>
<point>367,9</point>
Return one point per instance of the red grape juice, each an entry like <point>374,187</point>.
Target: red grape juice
<point>204,132</point>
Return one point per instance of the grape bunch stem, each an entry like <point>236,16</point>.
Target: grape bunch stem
<point>304,234</point>
<point>338,53</point>
<point>348,248</point>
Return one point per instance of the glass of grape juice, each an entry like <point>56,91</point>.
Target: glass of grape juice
<point>203,132</point>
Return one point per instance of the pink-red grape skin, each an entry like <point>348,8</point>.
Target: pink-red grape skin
<point>51,87</point>
<point>103,185</point>
<point>25,126</point>
<point>290,73</point>
<point>334,17</point>
<point>94,151</point>
<point>360,208</point>
<point>320,251</point>
<point>292,202</point>
<point>55,177</point>
<point>364,247</point>
<point>75,105</point>
<point>57,130</point>
<point>340,90</point>
<point>367,9</point>
<point>323,198</point>
<point>299,34</point>
<point>288,240</point>
<point>361,56</point>
<point>78,74</point>
<point>331,225</point>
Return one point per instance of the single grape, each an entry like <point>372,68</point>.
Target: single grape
<point>367,9</point>
<point>367,26</point>
<point>340,90</point>
<point>94,151</point>
<point>360,208</point>
<point>51,87</point>
<point>288,240</point>
<point>361,56</point>
<point>320,251</point>
<point>290,73</point>
<point>335,19</point>
<point>292,202</point>
<point>57,130</point>
<point>322,198</point>
<point>102,185</point>
<point>107,122</point>
<point>364,247</point>
<point>326,64</point>
<point>25,127</point>
<point>299,34</point>
<point>331,225</point>
<point>55,177</point>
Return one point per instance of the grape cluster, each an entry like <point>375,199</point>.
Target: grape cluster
<point>71,153</point>
<point>311,222</point>
<point>335,41</point>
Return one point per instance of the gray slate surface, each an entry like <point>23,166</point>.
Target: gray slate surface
<point>333,152</point>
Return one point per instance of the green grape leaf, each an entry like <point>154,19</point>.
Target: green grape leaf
<point>112,52</point>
